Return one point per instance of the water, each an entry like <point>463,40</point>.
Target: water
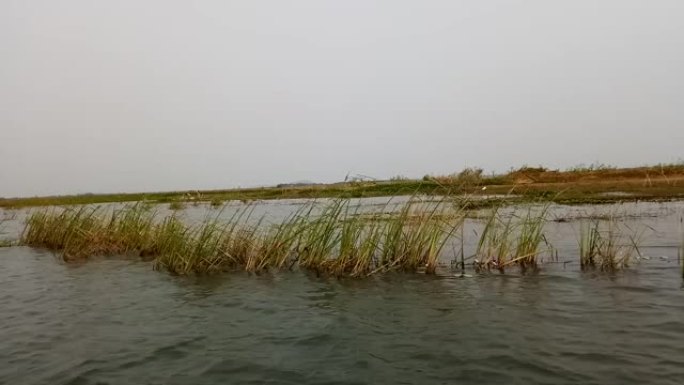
<point>114,321</point>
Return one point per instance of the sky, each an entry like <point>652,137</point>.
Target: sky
<point>124,96</point>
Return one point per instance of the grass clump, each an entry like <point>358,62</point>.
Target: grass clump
<point>416,238</point>
<point>335,240</point>
<point>176,205</point>
<point>608,246</point>
<point>209,247</point>
<point>680,252</point>
<point>411,239</point>
<point>77,233</point>
<point>6,243</point>
<point>513,240</point>
<point>80,233</point>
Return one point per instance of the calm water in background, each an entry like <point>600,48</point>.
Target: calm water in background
<point>112,321</point>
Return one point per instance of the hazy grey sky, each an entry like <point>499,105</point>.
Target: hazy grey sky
<point>140,95</point>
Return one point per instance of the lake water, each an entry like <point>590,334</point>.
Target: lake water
<point>115,321</point>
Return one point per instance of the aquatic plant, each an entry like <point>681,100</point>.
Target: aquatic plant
<point>589,243</point>
<point>495,243</point>
<point>76,232</point>
<point>680,253</point>
<point>4,242</point>
<point>356,238</point>
<point>337,237</point>
<point>513,240</point>
<point>211,246</point>
<point>419,234</point>
<point>530,238</point>
<point>176,205</point>
<point>318,240</point>
<point>80,233</point>
<point>607,245</point>
<point>332,239</point>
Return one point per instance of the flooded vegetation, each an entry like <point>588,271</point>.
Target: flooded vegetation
<point>608,245</point>
<point>505,241</point>
<point>332,238</point>
<point>345,238</point>
<point>382,290</point>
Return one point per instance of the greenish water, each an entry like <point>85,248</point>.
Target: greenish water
<point>114,321</point>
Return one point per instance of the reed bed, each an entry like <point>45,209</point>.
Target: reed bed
<point>513,240</point>
<point>80,233</point>
<point>680,252</point>
<point>608,245</point>
<point>336,239</point>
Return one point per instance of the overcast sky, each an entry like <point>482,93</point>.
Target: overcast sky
<point>143,95</point>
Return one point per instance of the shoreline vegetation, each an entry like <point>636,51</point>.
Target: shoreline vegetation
<point>594,184</point>
<point>333,238</point>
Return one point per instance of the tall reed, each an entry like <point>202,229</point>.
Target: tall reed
<point>680,252</point>
<point>608,245</point>
<point>531,237</point>
<point>85,231</point>
<point>4,242</point>
<point>513,240</point>
<point>336,238</point>
<point>495,244</point>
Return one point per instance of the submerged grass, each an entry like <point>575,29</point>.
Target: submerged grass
<point>334,240</point>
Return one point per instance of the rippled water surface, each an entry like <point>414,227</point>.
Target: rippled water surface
<point>113,321</point>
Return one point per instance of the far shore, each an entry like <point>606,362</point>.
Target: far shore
<point>577,186</point>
